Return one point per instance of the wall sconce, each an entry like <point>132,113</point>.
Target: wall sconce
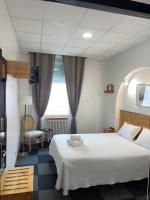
<point>126,82</point>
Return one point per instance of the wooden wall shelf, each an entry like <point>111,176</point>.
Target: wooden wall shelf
<point>109,92</point>
<point>109,89</point>
<point>18,69</point>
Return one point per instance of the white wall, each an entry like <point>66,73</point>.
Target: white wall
<point>117,68</point>
<point>13,121</point>
<point>24,89</point>
<point>11,51</point>
<point>129,97</point>
<point>89,115</point>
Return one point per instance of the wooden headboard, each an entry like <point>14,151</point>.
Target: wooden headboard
<point>134,118</point>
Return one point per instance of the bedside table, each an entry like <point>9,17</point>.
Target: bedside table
<point>48,133</point>
<point>108,130</point>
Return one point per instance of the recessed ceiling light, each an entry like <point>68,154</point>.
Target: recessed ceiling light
<point>87,35</point>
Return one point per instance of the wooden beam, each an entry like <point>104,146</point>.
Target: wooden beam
<point>18,69</point>
<point>126,7</point>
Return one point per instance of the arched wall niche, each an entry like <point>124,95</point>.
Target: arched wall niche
<point>128,79</point>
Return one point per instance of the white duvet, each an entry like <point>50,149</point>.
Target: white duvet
<point>103,159</point>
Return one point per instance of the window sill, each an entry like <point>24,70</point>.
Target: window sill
<point>53,117</point>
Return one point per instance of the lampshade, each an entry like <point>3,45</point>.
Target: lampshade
<point>26,100</point>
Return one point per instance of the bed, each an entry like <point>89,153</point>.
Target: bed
<point>103,159</point>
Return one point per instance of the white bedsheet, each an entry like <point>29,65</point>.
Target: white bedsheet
<point>104,159</point>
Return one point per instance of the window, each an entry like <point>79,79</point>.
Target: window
<point>58,101</point>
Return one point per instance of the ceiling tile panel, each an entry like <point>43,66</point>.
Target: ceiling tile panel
<point>58,29</point>
<point>121,47</point>
<point>25,25</point>
<point>52,48</point>
<point>143,1</point>
<point>99,19</point>
<point>29,37</point>
<point>80,30</point>
<point>131,25</point>
<point>58,40</point>
<point>134,40</point>
<point>91,51</point>
<point>112,37</point>
<point>30,9</point>
<point>63,14</point>
<point>30,45</point>
<point>102,46</point>
<point>26,50</point>
<point>72,51</point>
<point>79,43</point>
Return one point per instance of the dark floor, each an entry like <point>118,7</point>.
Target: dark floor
<point>45,178</point>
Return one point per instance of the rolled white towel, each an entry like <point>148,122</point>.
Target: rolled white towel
<point>75,137</point>
<point>75,143</point>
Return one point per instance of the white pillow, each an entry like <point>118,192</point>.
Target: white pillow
<point>129,131</point>
<point>144,138</point>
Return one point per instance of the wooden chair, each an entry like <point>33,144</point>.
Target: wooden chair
<point>31,135</point>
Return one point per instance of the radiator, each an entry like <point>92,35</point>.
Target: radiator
<point>59,126</point>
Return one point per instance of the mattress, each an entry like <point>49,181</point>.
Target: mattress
<point>103,159</point>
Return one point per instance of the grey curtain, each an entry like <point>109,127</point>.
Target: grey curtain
<point>74,70</point>
<point>2,105</point>
<point>41,90</point>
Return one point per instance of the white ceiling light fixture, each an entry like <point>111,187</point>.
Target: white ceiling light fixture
<point>87,35</point>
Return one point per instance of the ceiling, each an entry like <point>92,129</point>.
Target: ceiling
<point>56,28</point>
<point>143,1</point>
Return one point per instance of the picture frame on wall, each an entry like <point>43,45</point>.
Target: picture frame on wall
<point>143,95</point>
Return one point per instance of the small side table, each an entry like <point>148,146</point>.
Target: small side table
<point>109,130</point>
<point>48,133</point>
